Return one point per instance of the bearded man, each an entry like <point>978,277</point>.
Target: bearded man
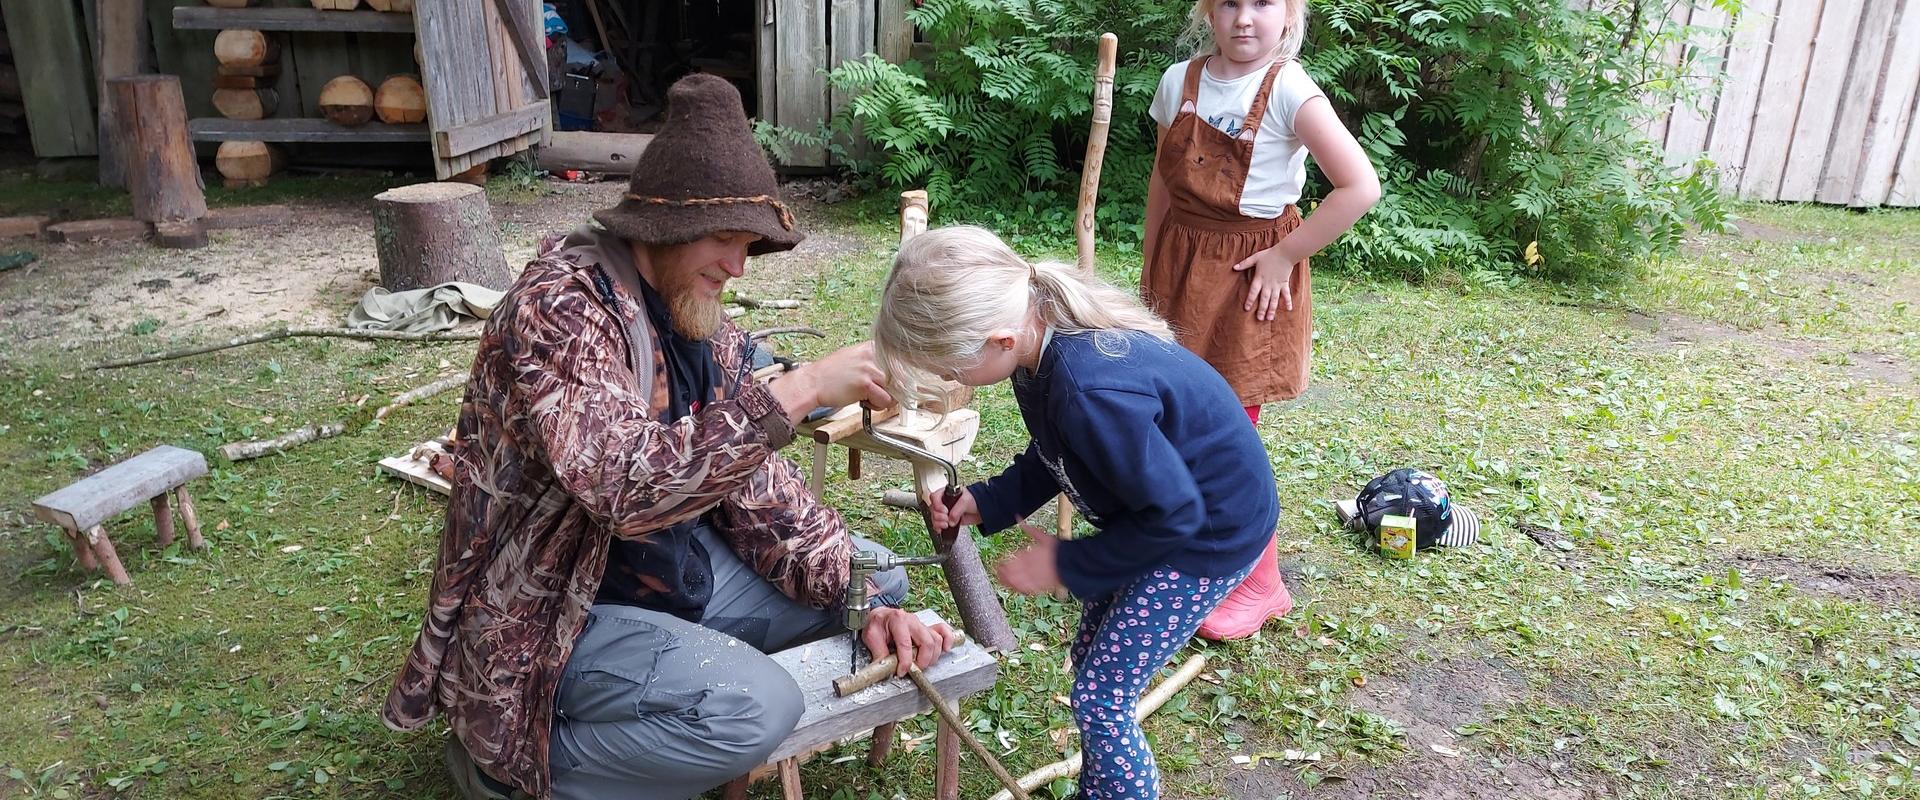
<point>624,543</point>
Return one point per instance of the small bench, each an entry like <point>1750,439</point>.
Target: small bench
<point>82,507</point>
<point>963,671</point>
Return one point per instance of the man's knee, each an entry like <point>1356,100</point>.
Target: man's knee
<point>756,712</point>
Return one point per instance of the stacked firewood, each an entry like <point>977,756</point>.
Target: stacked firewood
<point>243,89</point>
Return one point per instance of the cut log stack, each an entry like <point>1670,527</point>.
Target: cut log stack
<point>347,101</point>
<point>243,89</point>
<point>401,101</point>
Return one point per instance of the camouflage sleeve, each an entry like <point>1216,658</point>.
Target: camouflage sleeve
<point>572,393</point>
<point>796,542</point>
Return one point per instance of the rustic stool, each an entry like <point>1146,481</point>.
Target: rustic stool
<point>81,507</point>
<point>965,670</point>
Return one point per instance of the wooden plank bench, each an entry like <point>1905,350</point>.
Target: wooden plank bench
<point>83,506</point>
<point>965,670</point>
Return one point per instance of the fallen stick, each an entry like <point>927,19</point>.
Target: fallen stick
<point>1070,766</point>
<point>283,333</point>
<point>422,393</point>
<point>241,451</point>
<point>786,329</point>
<point>749,302</point>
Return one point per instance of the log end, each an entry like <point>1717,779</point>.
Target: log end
<point>184,235</point>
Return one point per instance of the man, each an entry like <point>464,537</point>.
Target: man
<point>624,543</point>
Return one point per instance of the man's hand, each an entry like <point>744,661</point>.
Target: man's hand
<point>846,376</point>
<point>1032,570</point>
<point>964,511</point>
<point>891,630</point>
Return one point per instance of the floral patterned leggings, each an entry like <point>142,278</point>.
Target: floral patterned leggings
<point>1124,639</point>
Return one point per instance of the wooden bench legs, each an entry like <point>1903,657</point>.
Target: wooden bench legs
<point>94,549</point>
<point>103,549</point>
<point>946,760</point>
<point>190,517</point>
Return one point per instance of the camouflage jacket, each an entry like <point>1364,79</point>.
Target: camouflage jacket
<point>556,452</point>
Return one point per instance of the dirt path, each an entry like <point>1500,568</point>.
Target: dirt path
<point>307,267</point>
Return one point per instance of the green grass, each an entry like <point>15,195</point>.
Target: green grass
<point>1644,658</point>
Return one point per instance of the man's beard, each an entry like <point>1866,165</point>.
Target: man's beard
<point>695,315</point>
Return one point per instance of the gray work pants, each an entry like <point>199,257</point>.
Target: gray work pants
<point>654,706</point>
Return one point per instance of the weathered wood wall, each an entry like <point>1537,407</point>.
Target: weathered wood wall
<point>1816,100</point>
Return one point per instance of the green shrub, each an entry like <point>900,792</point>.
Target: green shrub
<point>1508,134</point>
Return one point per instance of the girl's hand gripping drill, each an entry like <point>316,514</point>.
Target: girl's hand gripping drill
<point>948,510</point>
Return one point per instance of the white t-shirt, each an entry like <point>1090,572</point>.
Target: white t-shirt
<point>1279,168</point>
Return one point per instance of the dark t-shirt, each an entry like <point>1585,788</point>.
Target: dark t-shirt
<point>668,570</point>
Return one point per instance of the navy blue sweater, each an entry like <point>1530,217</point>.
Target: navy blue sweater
<point>1152,447</point>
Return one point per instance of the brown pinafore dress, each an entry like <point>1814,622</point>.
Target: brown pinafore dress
<point>1188,278</point>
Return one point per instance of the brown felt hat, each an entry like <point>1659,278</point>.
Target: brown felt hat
<point>703,174</point>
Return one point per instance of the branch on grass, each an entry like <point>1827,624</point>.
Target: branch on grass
<point>1070,766</point>
<point>284,333</point>
<point>786,329</point>
<point>241,451</point>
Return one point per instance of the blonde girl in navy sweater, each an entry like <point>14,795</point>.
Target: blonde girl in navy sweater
<point>1149,443</point>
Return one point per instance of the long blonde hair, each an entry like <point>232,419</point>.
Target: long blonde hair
<point>952,288</point>
<point>1199,32</point>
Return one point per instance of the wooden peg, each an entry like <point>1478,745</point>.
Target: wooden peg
<point>162,520</point>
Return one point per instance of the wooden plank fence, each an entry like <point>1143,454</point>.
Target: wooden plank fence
<point>1816,100</point>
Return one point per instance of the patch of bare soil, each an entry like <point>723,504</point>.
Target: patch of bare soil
<point>307,267</point>
<point>1748,229</point>
<point>1830,580</point>
<point>1881,367</point>
<point>1431,701</point>
<point>1675,331</point>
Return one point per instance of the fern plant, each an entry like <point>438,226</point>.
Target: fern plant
<point>1508,133</point>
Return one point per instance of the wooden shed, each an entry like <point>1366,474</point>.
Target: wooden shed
<point>484,66</point>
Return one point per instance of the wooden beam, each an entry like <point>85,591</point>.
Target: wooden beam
<point>612,153</point>
<point>301,130</point>
<point>290,19</point>
<point>525,45</point>
<point>464,139</point>
<point>49,48</point>
<point>120,50</point>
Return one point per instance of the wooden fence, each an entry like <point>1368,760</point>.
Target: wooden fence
<point>1817,101</point>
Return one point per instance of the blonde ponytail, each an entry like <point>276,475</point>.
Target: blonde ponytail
<point>952,288</point>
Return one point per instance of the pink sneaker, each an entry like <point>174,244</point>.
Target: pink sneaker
<point>1261,597</point>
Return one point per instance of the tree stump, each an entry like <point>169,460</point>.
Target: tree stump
<point>165,180</point>
<point>430,233</point>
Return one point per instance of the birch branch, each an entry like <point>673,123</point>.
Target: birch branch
<point>289,332</point>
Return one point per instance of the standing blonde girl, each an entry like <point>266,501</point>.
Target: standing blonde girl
<point>1143,437</point>
<point>1226,248</point>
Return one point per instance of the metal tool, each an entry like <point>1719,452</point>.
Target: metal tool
<point>980,611</point>
<point>948,496</point>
